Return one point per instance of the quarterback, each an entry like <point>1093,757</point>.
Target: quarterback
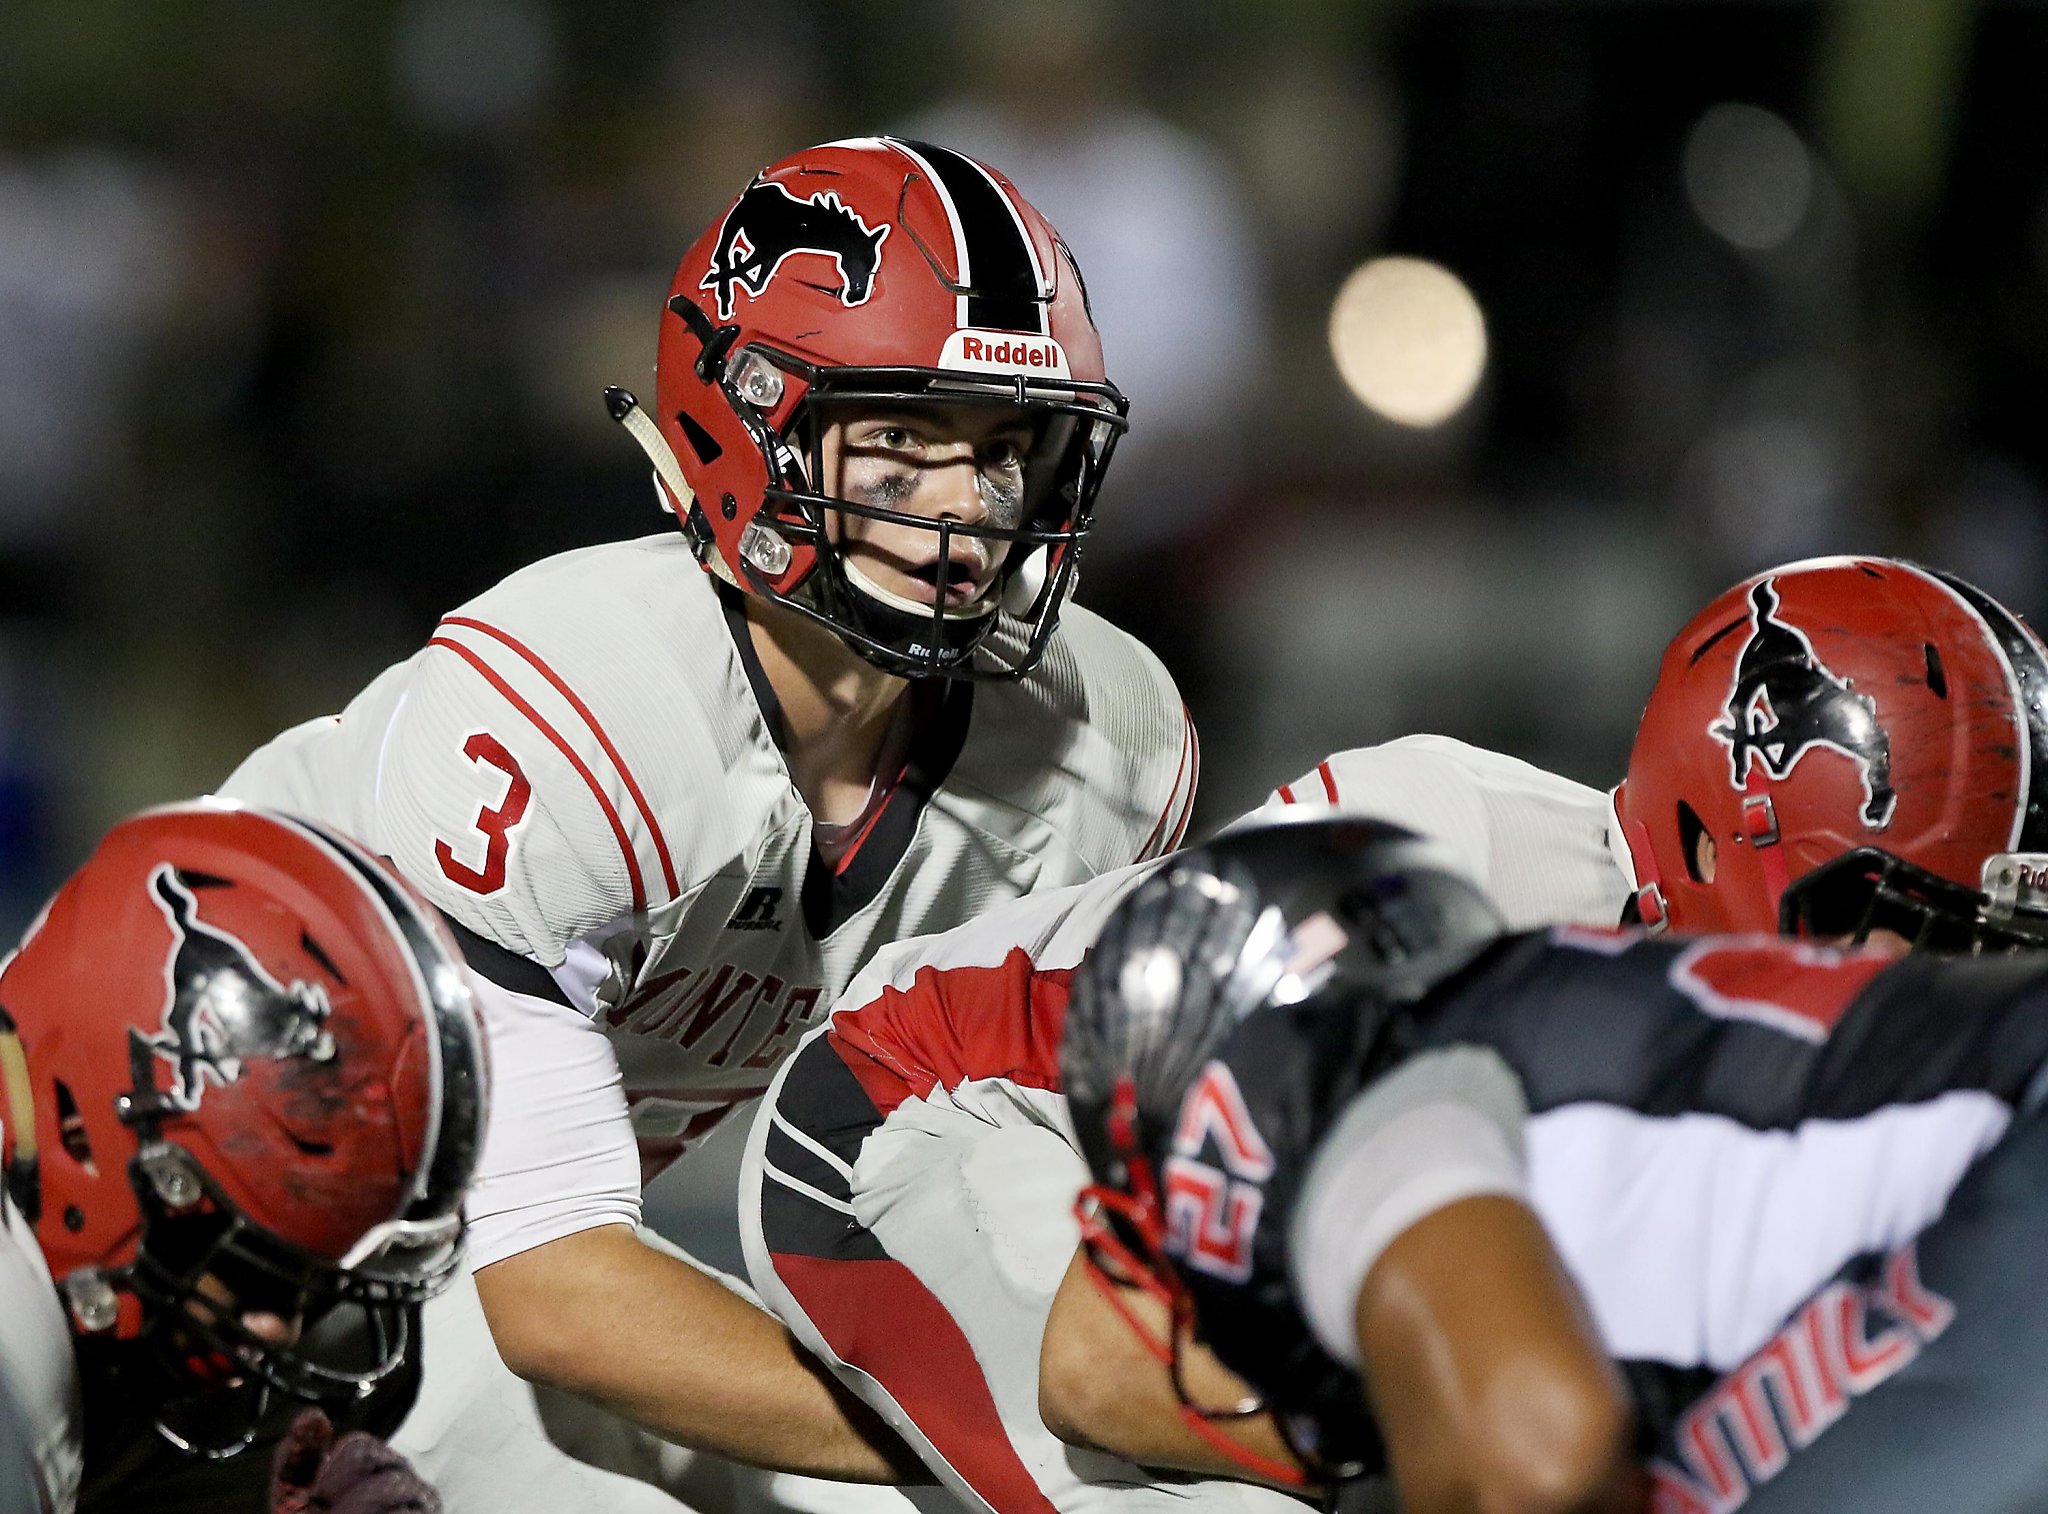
<point>241,1093</point>
<point>920,1143</point>
<point>674,792</point>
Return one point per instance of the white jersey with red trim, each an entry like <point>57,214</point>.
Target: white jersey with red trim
<point>38,1372</point>
<point>973,1015</point>
<point>1542,847</point>
<point>580,769</point>
<point>923,1126</point>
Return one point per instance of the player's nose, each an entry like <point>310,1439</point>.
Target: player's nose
<point>954,483</point>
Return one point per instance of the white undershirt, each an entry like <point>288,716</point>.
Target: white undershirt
<point>1446,1126</point>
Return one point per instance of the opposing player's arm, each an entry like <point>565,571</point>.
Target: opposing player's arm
<point>1101,1389</point>
<point>1415,1257</point>
<point>1488,1382</point>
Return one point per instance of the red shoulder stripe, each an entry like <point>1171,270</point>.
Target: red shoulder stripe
<point>1187,809</point>
<point>1329,779</point>
<point>1187,741</point>
<point>540,724</point>
<point>668,871</point>
<point>955,1025</point>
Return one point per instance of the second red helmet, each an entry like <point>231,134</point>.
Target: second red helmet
<point>240,1061</point>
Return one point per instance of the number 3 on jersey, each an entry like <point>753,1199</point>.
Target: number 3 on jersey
<point>485,750</point>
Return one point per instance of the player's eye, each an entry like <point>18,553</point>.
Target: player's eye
<point>1003,455</point>
<point>893,439</point>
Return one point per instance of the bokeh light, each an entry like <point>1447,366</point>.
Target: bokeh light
<point>1409,340</point>
<point>1748,176</point>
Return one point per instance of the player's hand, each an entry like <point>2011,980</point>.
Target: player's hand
<point>314,1473</point>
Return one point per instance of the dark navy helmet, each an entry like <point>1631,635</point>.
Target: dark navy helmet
<point>1277,912</point>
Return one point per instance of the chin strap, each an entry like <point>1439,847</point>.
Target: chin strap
<point>673,491</point>
<point>1651,912</point>
<point>1760,829</point>
<point>24,1183</point>
<point>1206,1430</point>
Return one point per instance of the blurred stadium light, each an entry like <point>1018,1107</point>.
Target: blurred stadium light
<point>1408,339</point>
<point>1748,176</point>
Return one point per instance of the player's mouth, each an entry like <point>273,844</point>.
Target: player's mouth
<point>965,572</point>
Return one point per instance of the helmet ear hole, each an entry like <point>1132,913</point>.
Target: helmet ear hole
<point>71,1130</point>
<point>1691,831</point>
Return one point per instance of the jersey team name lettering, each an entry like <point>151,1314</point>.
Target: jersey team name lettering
<point>1847,1340</point>
<point>690,1006</point>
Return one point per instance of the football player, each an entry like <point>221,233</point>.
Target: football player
<point>1421,1184</point>
<point>673,792</point>
<point>241,1094</point>
<point>930,1110</point>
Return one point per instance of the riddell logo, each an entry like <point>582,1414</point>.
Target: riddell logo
<point>1003,352</point>
<point>1846,1341</point>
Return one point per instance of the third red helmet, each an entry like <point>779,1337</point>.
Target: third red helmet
<point>1838,744</point>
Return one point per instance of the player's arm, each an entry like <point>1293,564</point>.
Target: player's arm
<point>1488,1381</point>
<point>603,1316</point>
<point>1415,1258</point>
<point>1100,1389</point>
<point>577,1301</point>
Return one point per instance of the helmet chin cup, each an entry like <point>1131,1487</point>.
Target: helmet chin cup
<point>1026,582</point>
<point>765,549</point>
<point>860,581</point>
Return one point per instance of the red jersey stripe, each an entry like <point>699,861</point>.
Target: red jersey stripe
<point>955,1025</point>
<point>668,870</point>
<point>1187,809</point>
<point>1329,780</point>
<point>603,799</point>
<point>877,1317</point>
<point>1187,738</point>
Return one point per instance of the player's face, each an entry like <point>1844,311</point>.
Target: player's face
<point>214,1300</point>
<point>962,463</point>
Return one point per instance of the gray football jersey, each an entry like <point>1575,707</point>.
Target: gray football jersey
<point>1543,848</point>
<point>38,1373</point>
<point>580,769</point>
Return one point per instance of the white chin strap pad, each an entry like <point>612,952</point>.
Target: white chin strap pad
<point>986,605</point>
<point>1026,582</point>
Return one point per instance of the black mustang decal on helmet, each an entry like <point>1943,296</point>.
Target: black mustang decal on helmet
<point>768,223</point>
<point>1785,702</point>
<point>222,1006</point>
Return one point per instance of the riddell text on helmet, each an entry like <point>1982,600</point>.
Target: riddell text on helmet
<point>1003,352</point>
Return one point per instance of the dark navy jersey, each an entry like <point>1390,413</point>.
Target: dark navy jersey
<point>1710,1131</point>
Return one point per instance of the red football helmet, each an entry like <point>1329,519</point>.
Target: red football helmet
<point>1864,743</point>
<point>877,272</point>
<point>243,1072</point>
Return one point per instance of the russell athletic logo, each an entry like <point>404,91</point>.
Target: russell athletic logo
<point>768,224</point>
<point>221,1008</point>
<point>1785,703</point>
